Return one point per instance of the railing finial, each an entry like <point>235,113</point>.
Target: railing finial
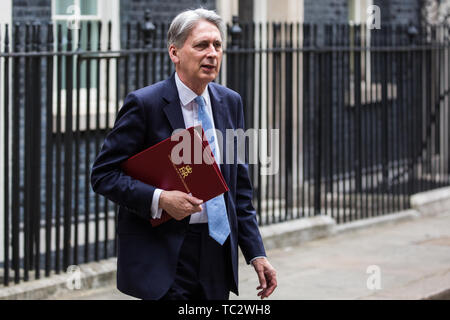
<point>235,32</point>
<point>147,28</point>
<point>412,32</point>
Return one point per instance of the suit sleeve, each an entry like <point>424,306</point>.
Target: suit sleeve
<point>125,140</point>
<point>249,237</point>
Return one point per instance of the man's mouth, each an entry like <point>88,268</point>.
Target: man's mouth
<point>209,66</point>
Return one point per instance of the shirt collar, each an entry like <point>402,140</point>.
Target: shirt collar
<point>186,94</point>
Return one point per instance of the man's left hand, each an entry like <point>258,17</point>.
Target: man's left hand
<point>267,277</point>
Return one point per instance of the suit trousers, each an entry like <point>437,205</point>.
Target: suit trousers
<point>203,269</point>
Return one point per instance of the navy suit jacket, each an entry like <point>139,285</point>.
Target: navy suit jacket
<point>147,256</point>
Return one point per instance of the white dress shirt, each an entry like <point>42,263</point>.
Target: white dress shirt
<point>189,109</point>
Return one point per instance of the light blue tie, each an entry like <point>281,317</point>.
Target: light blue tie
<point>219,228</point>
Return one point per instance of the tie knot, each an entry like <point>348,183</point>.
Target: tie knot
<point>200,101</point>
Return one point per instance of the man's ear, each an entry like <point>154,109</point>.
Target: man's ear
<point>173,53</point>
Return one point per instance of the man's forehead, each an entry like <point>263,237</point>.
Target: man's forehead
<point>205,28</point>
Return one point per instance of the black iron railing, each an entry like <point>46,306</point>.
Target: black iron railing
<point>363,118</point>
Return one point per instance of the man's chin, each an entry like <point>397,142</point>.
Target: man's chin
<point>208,77</point>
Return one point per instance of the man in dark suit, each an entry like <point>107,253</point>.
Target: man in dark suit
<point>194,255</point>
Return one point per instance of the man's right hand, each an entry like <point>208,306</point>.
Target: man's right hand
<point>179,204</point>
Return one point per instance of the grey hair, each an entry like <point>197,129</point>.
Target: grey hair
<point>183,23</point>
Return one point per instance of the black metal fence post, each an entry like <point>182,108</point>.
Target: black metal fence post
<point>6,208</point>
<point>36,119</point>
<point>49,152</point>
<point>289,129</point>
<point>68,152</point>
<point>15,150</point>
<point>318,106</point>
<point>27,155</point>
<point>97,88</point>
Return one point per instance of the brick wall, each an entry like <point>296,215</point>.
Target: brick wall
<point>31,10</point>
<point>246,10</point>
<point>326,11</point>
<point>161,11</point>
<point>399,11</point>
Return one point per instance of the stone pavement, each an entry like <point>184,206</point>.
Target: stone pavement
<point>405,260</point>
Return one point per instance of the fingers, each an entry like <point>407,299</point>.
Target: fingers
<point>267,278</point>
<point>189,208</point>
<point>262,280</point>
<point>196,209</point>
<point>270,288</point>
<point>266,292</point>
<point>179,204</point>
<point>195,201</point>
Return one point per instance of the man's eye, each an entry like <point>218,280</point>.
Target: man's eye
<point>202,45</point>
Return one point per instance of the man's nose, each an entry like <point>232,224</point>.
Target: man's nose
<point>212,51</point>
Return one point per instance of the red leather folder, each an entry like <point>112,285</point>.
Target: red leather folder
<point>155,167</point>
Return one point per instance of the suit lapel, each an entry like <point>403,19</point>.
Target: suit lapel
<point>172,109</point>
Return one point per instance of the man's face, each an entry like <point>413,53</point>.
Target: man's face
<point>197,62</point>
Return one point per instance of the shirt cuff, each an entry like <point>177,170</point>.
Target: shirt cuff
<point>251,261</point>
<point>156,211</point>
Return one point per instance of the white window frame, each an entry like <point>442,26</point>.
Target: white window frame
<point>359,17</point>
<point>107,10</point>
<point>80,17</point>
